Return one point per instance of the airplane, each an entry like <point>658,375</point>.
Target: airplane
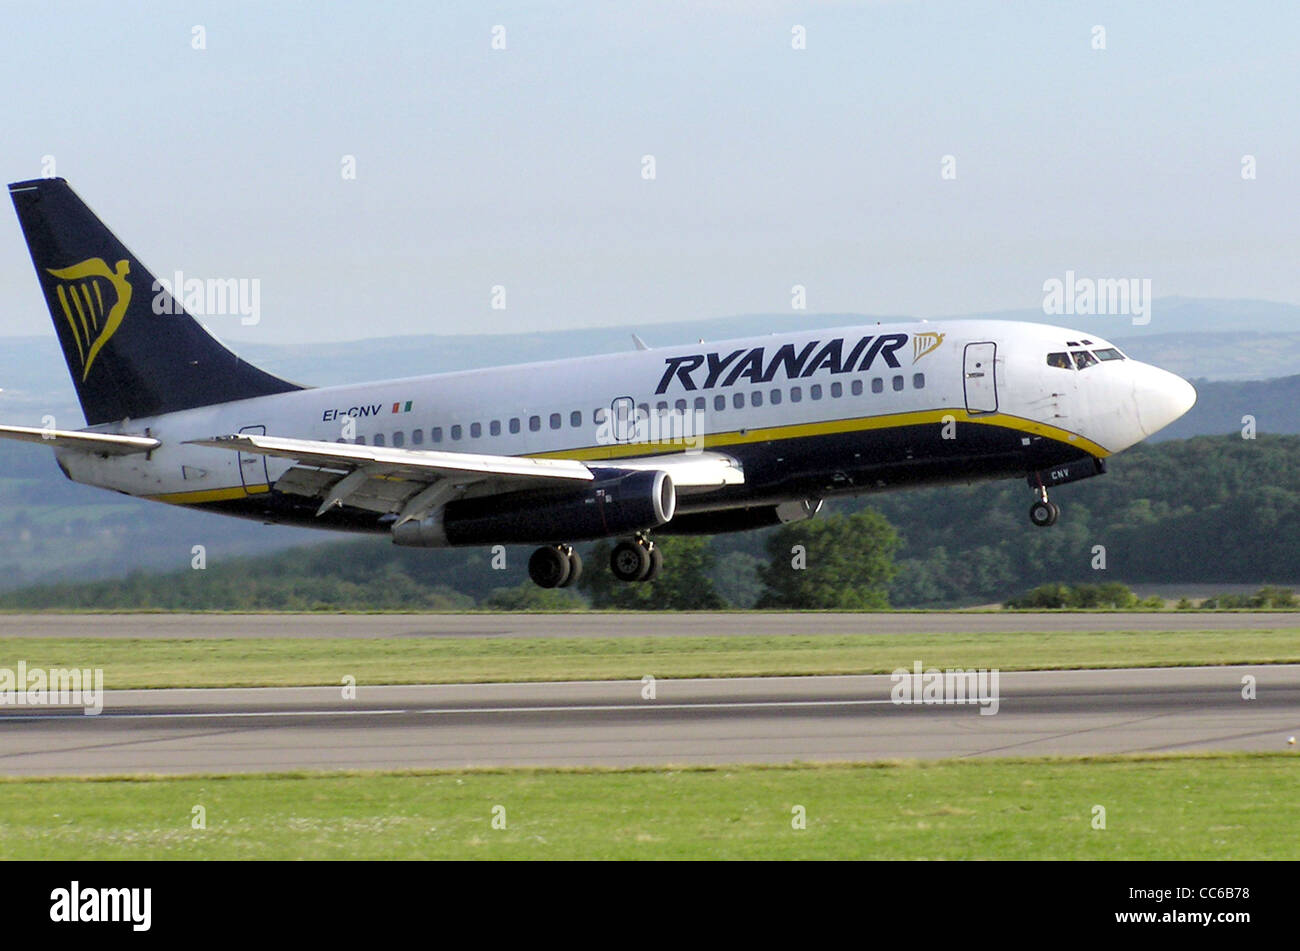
<point>699,439</point>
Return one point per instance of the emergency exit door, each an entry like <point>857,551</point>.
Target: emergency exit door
<point>252,467</point>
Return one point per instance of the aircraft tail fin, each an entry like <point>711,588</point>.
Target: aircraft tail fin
<point>127,359</point>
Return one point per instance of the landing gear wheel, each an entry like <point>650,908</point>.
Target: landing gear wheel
<point>1043,513</point>
<point>549,567</point>
<point>575,569</point>
<point>656,564</point>
<point>630,561</point>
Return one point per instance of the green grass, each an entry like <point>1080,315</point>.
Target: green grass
<point>148,662</point>
<point>1221,806</point>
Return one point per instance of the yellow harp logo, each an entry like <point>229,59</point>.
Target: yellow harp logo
<point>925,343</point>
<point>84,294</point>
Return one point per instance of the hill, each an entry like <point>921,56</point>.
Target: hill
<point>1211,509</point>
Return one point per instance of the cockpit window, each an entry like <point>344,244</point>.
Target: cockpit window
<point>1060,360</point>
<point>1110,353</point>
<point>1083,359</point>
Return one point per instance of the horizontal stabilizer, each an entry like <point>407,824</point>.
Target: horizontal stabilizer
<point>109,444</point>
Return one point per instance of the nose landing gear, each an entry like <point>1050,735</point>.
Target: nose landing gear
<point>1043,513</point>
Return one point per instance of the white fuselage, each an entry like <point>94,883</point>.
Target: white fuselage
<point>746,397</point>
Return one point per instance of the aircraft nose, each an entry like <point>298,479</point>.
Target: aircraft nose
<point>1161,397</point>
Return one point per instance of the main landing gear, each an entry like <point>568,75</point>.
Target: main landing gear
<point>636,559</point>
<point>1043,513</point>
<point>555,566</point>
<point>559,566</point>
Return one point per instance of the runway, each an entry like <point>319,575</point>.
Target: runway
<point>688,721</point>
<point>623,624</point>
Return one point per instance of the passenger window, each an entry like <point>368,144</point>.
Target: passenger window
<point>796,394</point>
<point>556,421</point>
<point>575,418</point>
<point>399,440</point>
<point>417,437</point>
<point>514,424</point>
<point>1059,360</point>
<point>756,398</point>
<point>598,415</point>
<point>719,403</point>
<point>775,397</point>
<point>856,387</point>
<point>877,385</point>
<point>1083,359</point>
<point>435,434</point>
<point>815,391</point>
<point>379,439</point>
<point>361,440</point>
<point>738,401</point>
<point>898,383</point>
<point>494,427</point>
<point>837,390</point>
<point>534,423</point>
<point>475,430</point>
<point>700,404</point>
<point>661,407</point>
<point>456,431</point>
<point>680,406</point>
<point>918,381</point>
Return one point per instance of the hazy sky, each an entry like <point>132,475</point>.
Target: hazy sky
<point>522,167</point>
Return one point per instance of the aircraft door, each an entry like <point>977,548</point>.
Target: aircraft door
<point>980,381</point>
<point>623,419</point>
<point>252,467</point>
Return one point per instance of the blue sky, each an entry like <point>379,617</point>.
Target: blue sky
<point>522,167</point>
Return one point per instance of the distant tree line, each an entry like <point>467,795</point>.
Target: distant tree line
<point>1204,510</point>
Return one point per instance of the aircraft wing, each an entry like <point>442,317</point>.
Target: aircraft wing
<point>402,462</point>
<point>110,444</point>
<point>412,482</point>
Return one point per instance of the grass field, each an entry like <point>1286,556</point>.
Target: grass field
<point>1222,806</point>
<point>300,661</point>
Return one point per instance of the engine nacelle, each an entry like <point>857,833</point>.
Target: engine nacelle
<point>617,503</point>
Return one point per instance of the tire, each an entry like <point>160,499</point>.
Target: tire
<point>549,567</point>
<point>575,570</point>
<point>629,561</point>
<point>1043,514</point>
<point>656,564</point>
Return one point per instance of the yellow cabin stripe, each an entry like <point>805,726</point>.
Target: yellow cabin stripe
<point>209,495</point>
<point>836,427</point>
